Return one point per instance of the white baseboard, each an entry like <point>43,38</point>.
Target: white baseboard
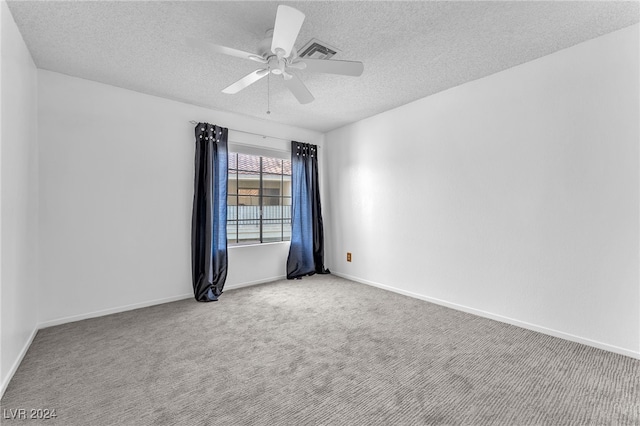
<point>5,383</point>
<point>507,320</point>
<point>145,304</point>
<point>110,311</point>
<point>256,282</point>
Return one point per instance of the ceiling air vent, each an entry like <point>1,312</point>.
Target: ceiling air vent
<point>317,49</point>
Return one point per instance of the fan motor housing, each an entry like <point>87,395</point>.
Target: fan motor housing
<point>276,66</point>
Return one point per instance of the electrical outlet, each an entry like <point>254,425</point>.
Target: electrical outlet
<point>348,257</point>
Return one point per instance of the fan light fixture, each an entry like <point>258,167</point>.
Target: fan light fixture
<point>278,53</point>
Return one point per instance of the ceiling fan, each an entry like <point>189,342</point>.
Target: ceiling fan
<point>278,56</point>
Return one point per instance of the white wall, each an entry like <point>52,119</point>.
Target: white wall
<point>116,191</point>
<point>18,213</point>
<point>514,196</point>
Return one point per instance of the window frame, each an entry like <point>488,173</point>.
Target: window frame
<point>283,219</point>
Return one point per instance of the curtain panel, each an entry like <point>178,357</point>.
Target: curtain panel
<point>209,220</point>
<point>306,251</point>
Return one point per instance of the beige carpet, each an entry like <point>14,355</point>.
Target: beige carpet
<point>322,350</point>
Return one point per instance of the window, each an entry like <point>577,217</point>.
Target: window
<point>259,199</point>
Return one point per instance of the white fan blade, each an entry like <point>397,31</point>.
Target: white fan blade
<point>245,81</point>
<point>299,65</point>
<point>334,67</point>
<point>206,45</point>
<point>286,29</point>
<point>299,90</point>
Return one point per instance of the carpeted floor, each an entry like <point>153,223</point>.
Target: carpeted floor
<point>322,350</point>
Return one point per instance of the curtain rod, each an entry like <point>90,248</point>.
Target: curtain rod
<point>249,133</point>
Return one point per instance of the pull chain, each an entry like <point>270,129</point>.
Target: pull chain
<point>268,92</point>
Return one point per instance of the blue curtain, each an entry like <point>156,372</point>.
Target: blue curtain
<point>306,252</point>
<point>209,220</point>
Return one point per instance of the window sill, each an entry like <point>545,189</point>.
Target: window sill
<point>235,246</point>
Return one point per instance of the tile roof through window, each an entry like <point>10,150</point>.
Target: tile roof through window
<point>249,164</point>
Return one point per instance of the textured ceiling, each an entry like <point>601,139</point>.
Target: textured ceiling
<point>410,49</point>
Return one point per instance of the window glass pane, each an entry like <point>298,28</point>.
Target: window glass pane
<point>286,186</point>
<point>286,167</point>
<point>271,230</point>
<point>286,226</point>
<point>271,212</point>
<point>248,181</point>
<point>248,163</point>
<point>272,184</point>
<point>249,214</point>
<point>249,231</point>
<point>233,161</point>
<point>272,238</point>
<point>231,231</point>
<point>286,201</point>
<point>271,202</point>
<point>232,209</point>
<point>270,193</point>
<point>272,165</point>
<point>232,185</point>
<point>249,191</point>
<point>249,201</point>
<point>286,218</point>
